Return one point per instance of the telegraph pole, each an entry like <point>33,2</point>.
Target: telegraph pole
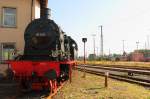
<point>148,46</point>
<point>137,44</point>
<point>97,51</point>
<point>94,43</point>
<point>123,45</point>
<point>101,41</point>
<point>109,51</point>
<point>145,46</point>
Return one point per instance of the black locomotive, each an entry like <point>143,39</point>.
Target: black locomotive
<point>48,56</point>
<point>44,40</point>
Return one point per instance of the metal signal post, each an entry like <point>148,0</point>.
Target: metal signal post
<point>84,40</point>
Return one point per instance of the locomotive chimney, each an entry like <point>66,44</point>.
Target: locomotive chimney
<point>44,12</point>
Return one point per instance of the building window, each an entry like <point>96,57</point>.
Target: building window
<point>7,51</point>
<point>9,17</point>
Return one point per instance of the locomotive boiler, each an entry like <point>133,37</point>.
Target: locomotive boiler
<point>48,54</point>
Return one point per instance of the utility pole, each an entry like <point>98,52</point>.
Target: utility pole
<point>148,46</point>
<point>101,41</point>
<point>137,44</point>
<point>94,43</point>
<point>145,46</point>
<point>97,51</point>
<point>109,51</point>
<point>123,46</point>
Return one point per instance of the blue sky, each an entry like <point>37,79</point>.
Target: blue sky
<point>127,20</point>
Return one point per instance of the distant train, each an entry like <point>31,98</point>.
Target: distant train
<point>48,54</point>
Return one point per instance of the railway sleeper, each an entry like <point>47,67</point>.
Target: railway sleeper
<point>130,74</point>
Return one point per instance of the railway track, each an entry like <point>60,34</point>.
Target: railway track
<point>52,95</point>
<point>122,69</point>
<point>123,66</point>
<point>138,76</point>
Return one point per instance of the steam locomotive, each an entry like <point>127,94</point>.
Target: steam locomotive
<point>48,55</point>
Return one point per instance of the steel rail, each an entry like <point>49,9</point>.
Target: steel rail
<point>56,91</point>
<point>122,66</point>
<point>136,71</point>
<point>143,82</point>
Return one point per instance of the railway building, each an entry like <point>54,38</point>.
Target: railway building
<point>14,17</point>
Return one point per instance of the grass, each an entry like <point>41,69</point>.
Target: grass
<point>110,63</point>
<point>92,87</point>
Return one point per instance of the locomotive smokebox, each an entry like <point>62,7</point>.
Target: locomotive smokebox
<point>44,12</point>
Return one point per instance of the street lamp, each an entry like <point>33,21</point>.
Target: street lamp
<point>84,40</point>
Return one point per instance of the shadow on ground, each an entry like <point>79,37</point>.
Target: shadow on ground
<point>9,90</point>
